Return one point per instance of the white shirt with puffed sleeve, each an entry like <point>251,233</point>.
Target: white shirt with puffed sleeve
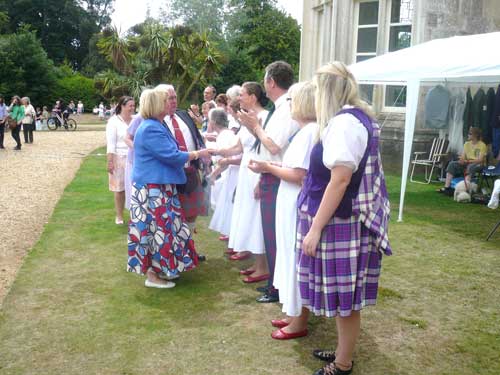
<point>116,131</point>
<point>344,141</point>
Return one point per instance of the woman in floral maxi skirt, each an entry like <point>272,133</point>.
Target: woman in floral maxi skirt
<point>159,240</point>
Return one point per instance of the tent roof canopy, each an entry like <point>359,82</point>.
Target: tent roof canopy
<point>471,58</point>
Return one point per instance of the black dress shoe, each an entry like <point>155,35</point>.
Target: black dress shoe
<point>201,258</point>
<point>17,148</point>
<point>268,298</point>
<point>324,354</point>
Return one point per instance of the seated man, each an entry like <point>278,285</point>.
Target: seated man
<point>470,162</point>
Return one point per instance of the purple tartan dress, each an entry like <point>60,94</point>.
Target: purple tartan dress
<point>343,276</point>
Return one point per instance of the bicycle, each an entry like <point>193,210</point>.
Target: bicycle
<point>56,121</point>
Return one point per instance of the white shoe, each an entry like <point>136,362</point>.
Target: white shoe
<point>165,277</point>
<point>118,222</point>
<point>152,284</point>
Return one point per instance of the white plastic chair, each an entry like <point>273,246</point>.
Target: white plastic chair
<point>432,161</point>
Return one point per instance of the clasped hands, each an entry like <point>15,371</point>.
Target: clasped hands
<point>249,120</point>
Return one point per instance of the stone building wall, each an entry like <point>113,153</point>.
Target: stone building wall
<point>328,34</point>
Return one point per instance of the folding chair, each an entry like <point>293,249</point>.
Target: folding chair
<point>432,161</point>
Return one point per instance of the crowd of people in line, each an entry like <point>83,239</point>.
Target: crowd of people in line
<point>299,185</point>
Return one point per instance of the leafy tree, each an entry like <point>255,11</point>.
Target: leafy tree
<point>264,32</point>
<point>63,26</point>
<point>25,68</point>
<point>151,53</point>
<point>71,85</point>
<point>200,15</point>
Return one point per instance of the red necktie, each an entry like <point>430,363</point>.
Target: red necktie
<point>179,137</point>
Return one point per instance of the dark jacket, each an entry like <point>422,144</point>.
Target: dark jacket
<point>195,133</point>
<point>495,117</point>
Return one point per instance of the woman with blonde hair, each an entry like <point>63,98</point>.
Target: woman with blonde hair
<point>159,241</point>
<point>343,214</point>
<point>291,173</point>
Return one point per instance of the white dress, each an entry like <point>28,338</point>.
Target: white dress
<point>221,219</point>
<point>285,274</point>
<point>246,224</point>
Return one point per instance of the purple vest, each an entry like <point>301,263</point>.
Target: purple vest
<point>318,176</point>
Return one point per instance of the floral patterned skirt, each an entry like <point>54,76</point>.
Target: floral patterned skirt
<point>158,237</point>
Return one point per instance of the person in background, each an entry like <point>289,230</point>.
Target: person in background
<point>28,120</point>
<point>471,161</point>
<point>100,111</point>
<point>71,107</point>
<point>79,108</point>
<point>45,117</point>
<point>221,101</point>
<point>291,173</point>
<point>38,118</point>
<point>117,149</point>
<point>205,107</point>
<point>160,245</point>
<point>16,112</point>
<point>233,106</point>
<point>209,93</point>
<point>3,117</point>
<point>343,214</point>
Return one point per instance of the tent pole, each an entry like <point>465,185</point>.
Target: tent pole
<point>413,89</point>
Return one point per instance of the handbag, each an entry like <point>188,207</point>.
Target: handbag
<point>11,123</point>
<point>192,181</point>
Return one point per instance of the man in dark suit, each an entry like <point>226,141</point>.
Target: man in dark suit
<point>189,139</point>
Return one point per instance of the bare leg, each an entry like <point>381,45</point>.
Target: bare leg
<point>449,177</point>
<point>260,265</point>
<point>297,323</point>
<point>348,329</point>
<point>119,204</point>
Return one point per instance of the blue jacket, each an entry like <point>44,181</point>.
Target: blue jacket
<point>157,159</point>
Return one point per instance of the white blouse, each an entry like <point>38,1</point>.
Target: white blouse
<point>116,131</point>
<point>344,141</point>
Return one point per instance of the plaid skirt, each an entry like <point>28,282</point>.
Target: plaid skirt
<point>194,204</point>
<point>158,237</point>
<point>343,276</point>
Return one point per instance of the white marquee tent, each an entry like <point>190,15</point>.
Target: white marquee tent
<point>462,59</point>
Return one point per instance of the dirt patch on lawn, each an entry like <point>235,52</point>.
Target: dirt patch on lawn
<point>31,182</point>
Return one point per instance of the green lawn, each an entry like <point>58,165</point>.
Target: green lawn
<point>74,310</point>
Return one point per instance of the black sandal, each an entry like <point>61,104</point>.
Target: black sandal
<point>324,355</point>
<point>332,369</point>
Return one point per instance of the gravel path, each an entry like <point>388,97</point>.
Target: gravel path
<point>36,177</point>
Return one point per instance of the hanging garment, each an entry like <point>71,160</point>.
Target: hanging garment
<point>456,120</point>
<point>467,113</point>
<point>495,124</point>
<point>437,102</point>
<point>490,107</point>
<point>479,112</point>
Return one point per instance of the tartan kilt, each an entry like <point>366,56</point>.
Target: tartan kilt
<point>344,274</point>
<point>194,204</point>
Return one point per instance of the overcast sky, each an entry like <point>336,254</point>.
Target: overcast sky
<point>128,13</point>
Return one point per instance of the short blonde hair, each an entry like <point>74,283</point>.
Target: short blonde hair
<point>336,87</point>
<point>302,95</point>
<point>152,103</point>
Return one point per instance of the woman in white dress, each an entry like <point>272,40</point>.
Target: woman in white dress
<point>246,235</point>
<point>228,169</point>
<point>292,172</point>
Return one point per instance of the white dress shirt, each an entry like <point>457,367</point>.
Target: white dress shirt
<point>188,138</point>
<point>279,128</point>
